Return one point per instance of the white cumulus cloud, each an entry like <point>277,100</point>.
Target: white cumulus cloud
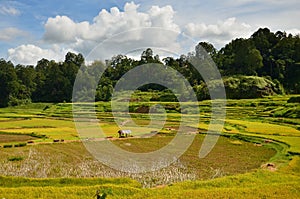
<point>30,54</point>
<point>63,29</point>
<point>117,31</point>
<point>84,36</point>
<point>220,33</point>
<point>163,17</point>
<point>106,23</point>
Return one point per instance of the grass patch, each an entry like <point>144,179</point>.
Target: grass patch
<point>11,137</point>
<point>265,128</point>
<point>262,184</point>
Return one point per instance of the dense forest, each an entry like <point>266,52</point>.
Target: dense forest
<point>266,63</point>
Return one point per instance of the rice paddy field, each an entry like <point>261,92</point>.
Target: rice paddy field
<point>256,156</point>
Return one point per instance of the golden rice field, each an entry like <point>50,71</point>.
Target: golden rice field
<point>257,156</point>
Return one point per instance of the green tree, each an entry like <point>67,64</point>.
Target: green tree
<point>286,57</point>
<point>264,40</point>
<point>147,57</point>
<point>240,57</point>
<point>26,76</point>
<point>70,69</point>
<point>42,69</point>
<point>11,91</point>
<point>204,49</point>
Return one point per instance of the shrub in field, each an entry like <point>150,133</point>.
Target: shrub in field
<point>100,195</point>
<point>250,87</point>
<point>295,99</point>
<point>46,107</point>
<point>14,159</point>
<point>142,109</point>
<point>241,87</point>
<point>37,135</point>
<point>293,112</point>
<point>20,145</point>
<point>164,96</point>
<point>14,101</point>
<point>8,146</point>
<point>168,97</point>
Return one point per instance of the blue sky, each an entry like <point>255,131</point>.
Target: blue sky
<point>32,29</point>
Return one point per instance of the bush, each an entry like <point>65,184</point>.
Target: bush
<point>168,97</point>
<point>248,87</point>
<point>13,159</point>
<point>164,96</point>
<point>288,112</point>
<point>13,101</point>
<point>294,99</point>
<point>240,87</point>
<point>8,146</point>
<point>37,135</point>
<point>142,109</point>
<point>20,145</point>
<point>46,107</point>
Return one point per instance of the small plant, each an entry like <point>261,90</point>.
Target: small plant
<point>15,159</point>
<point>33,134</point>
<point>20,145</point>
<point>103,195</point>
<point>46,107</point>
<point>294,100</point>
<point>8,146</point>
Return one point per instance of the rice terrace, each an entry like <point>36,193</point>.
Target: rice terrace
<point>257,155</point>
<point>149,99</point>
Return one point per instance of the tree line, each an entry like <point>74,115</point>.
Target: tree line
<point>274,56</point>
